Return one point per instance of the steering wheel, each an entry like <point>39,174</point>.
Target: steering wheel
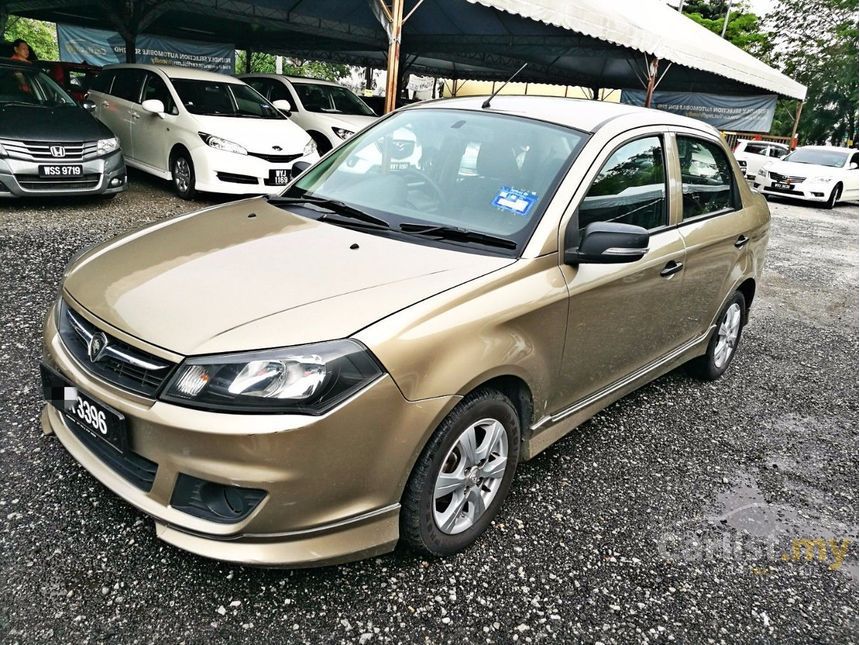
<point>428,186</point>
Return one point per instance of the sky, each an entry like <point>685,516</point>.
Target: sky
<point>760,7</point>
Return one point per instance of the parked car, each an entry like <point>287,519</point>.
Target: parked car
<point>752,155</point>
<point>329,112</point>
<point>204,131</point>
<point>306,379</point>
<point>75,78</point>
<point>824,174</point>
<point>50,145</point>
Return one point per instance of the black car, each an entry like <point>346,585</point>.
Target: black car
<point>50,145</point>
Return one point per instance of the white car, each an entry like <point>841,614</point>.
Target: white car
<point>824,174</point>
<point>752,155</point>
<point>204,131</point>
<point>329,112</point>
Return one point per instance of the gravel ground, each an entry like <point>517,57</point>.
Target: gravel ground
<point>665,518</point>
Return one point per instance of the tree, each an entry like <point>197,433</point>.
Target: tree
<point>265,63</point>
<point>818,42</point>
<point>745,29</point>
<point>40,35</point>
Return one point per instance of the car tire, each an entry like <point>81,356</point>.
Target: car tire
<point>323,144</point>
<point>724,341</point>
<point>487,425</point>
<point>835,194</point>
<point>182,175</point>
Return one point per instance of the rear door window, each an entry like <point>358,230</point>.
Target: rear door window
<point>103,81</point>
<point>756,149</point>
<point>127,84</point>
<point>706,177</point>
<point>630,187</point>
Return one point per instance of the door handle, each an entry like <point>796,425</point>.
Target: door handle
<point>671,268</point>
<point>741,241</point>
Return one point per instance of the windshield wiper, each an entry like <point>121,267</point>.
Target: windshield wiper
<point>457,234</point>
<point>335,206</point>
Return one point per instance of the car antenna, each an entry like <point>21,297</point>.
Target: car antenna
<point>486,103</point>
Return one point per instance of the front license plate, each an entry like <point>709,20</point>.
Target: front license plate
<point>61,171</point>
<point>89,414</point>
<point>279,177</point>
<point>782,186</point>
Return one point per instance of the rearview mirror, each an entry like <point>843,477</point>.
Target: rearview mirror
<point>605,243</point>
<point>284,106</point>
<point>298,168</point>
<point>88,105</point>
<point>154,106</point>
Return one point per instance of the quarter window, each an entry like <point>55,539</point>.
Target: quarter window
<point>630,188</point>
<point>127,84</point>
<point>706,177</point>
<point>104,81</point>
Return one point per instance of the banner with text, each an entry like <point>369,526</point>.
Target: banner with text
<point>742,113</point>
<point>102,47</point>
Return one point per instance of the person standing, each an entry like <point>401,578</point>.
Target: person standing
<point>21,51</point>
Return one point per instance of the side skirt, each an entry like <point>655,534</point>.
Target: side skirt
<point>553,427</point>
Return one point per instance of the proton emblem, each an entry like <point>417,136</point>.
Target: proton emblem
<point>277,148</point>
<point>97,346</point>
<point>58,151</point>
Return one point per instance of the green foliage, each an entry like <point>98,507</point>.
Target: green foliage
<point>818,47</point>
<point>265,63</point>
<point>744,29</point>
<point>40,35</point>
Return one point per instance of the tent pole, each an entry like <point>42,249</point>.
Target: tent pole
<point>249,54</point>
<point>653,66</point>
<point>393,55</point>
<point>4,18</point>
<point>793,142</point>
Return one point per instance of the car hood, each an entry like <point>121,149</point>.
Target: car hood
<point>221,280</point>
<point>64,124</point>
<point>256,135</point>
<point>352,122</point>
<point>799,169</point>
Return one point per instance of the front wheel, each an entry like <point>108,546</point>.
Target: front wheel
<point>462,476</point>
<point>724,341</point>
<point>182,172</point>
<point>835,194</point>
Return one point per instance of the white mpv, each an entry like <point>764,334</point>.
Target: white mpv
<point>204,131</point>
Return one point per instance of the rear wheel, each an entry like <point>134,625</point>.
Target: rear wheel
<point>835,194</point>
<point>182,172</point>
<point>462,476</point>
<point>724,341</point>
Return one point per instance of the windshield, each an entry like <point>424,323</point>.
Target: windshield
<point>475,171</point>
<point>213,98</point>
<point>316,97</point>
<point>818,157</point>
<point>30,87</point>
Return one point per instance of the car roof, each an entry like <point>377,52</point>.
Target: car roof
<point>175,71</point>
<point>764,143</point>
<point>831,148</point>
<point>292,79</point>
<point>582,114</point>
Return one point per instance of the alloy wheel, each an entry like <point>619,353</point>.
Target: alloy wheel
<point>470,476</point>
<point>727,335</point>
<point>181,174</point>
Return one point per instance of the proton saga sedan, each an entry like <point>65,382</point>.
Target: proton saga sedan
<point>309,378</point>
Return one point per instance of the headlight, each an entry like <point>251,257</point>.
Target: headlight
<point>761,172</point>
<point>107,145</point>
<point>310,148</point>
<point>306,379</point>
<point>2,151</point>
<point>222,144</point>
<point>343,134</point>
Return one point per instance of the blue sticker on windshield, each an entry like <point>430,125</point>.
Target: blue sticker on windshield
<point>515,201</point>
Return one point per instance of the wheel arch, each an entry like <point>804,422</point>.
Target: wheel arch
<point>174,151</point>
<point>747,289</point>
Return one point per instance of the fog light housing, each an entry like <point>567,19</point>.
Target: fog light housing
<point>214,502</point>
<point>116,181</point>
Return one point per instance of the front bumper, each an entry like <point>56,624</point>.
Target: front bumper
<point>333,482</point>
<point>101,176</point>
<point>812,191</point>
<point>218,171</point>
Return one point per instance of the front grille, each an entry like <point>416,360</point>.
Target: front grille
<point>786,178</point>
<point>138,470</point>
<point>118,362</point>
<point>41,150</point>
<point>79,182</point>
<point>275,158</point>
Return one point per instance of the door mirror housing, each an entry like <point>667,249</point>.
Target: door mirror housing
<point>153,106</point>
<point>854,166</point>
<point>605,243</point>
<point>298,168</point>
<point>88,105</point>
<point>283,106</point>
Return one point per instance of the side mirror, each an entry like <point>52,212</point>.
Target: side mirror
<point>283,106</point>
<point>854,166</point>
<point>88,105</point>
<point>153,106</point>
<point>605,243</point>
<point>298,168</point>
